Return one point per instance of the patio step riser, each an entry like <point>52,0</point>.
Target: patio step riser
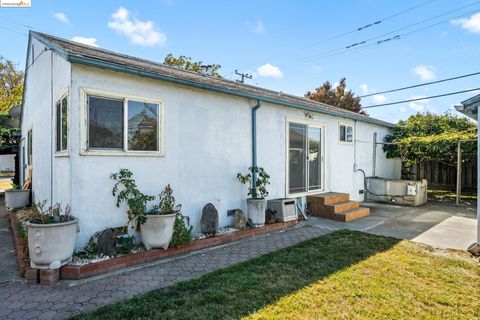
<point>329,198</point>
<point>341,207</point>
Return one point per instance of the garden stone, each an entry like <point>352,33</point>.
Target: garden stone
<point>209,220</point>
<point>106,243</point>
<point>240,221</point>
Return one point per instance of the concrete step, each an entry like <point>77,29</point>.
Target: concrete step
<point>328,198</point>
<point>341,206</point>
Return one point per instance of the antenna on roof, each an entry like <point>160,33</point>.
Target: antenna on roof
<point>243,75</point>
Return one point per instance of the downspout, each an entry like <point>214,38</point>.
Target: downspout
<point>254,143</point>
<point>52,108</point>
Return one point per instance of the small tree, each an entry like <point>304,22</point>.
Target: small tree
<point>11,86</point>
<point>186,63</point>
<point>425,137</point>
<point>337,96</point>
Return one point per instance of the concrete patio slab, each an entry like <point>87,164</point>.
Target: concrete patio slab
<point>440,224</point>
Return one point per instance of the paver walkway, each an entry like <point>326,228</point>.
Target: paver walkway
<point>8,260</point>
<point>21,301</point>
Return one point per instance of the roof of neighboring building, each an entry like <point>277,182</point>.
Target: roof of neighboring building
<point>470,107</point>
<point>101,58</point>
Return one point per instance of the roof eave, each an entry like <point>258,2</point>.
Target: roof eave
<point>143,73</point>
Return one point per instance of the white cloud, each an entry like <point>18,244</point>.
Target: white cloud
<point>268,70</point>
<point>421,105</point>
<point>425,73</point>
<point>364,88</point>
<point>471,24</point>
<point>84,40</point>
<point>139,32</point>
<point>255,27</point>
<point>60,16</point>
<point>379,98</point>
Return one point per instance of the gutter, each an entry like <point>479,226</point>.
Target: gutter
<point>254,143</point>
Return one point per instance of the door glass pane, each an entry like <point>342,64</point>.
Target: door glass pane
<point>105,123</point>
<point>314,158</point>
<point>297,157</point>
<point>142,126</point>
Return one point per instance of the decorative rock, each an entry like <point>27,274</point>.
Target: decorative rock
<point>240,221</point>
<point>106,243</point>
<point>209,220</point>
<point>270,216</point>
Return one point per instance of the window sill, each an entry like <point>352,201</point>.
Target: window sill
<point>348,143</point>
<point>109,153</point>
<point>303,194</point>
<point>61,154</point>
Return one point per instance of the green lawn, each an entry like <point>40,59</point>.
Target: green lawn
<point>342,275</point>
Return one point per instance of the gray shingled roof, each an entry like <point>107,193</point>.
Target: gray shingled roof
<point>88,55</point>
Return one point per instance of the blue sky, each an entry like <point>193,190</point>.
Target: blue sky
<point>266,39</point>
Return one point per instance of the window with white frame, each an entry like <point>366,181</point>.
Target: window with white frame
<point>61,111</point>
<point>346,133</point>
<point>122,124</point>
<point>29,147</point>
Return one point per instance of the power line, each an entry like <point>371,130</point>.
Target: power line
<point>421,84</point>
<point>382,41</point>
<point>340,35</point>
<point>418,99</point>
<point>8,28</point>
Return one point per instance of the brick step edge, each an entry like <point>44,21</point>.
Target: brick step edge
<point>73,272</point>
<point>20,245</point>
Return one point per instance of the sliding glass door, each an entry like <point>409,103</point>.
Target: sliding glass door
<point>305,158</point>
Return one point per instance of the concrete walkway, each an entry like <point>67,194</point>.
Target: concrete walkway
<point>439,224</point>
<point>21,301</point>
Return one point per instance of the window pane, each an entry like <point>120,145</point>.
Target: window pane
<point>64,123</point>
<point>314,158</point>
<point>58,110</point>
<point>342,133</point>
<point>105,123</point>
<point>349,134</point>
<point>29,147</point>
<point>142,126</point>
<point>297,157</point>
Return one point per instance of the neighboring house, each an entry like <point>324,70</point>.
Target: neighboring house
<point>470,108</point>
<point>89,112</point>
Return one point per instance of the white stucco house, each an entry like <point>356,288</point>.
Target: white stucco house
<point>88,112</point>
<point>470,108</point>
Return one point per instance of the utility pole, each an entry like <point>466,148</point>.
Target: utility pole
<point>243,75</point>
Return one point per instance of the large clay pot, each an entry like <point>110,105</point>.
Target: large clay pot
<point>157,231</point>
<point>256,212</point>
<point>51,245</point>
<point>16,198</point>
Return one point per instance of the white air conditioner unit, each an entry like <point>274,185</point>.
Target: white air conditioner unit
<point>285,209</point>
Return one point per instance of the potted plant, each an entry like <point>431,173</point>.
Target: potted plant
<point>16,197</point>
<point>51,235</point>
<point>157,232</point>
<point>258,191</point>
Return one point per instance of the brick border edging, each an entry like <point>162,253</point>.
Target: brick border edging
<point>73,272</point>
<point>20,245</point>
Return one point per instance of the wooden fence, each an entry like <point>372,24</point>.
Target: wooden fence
<point>442,176</point>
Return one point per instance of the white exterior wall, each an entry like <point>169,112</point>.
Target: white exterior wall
<point>37,115</point>
<point>207,140</point>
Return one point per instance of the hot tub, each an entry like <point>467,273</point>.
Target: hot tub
<point>402,192</point>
